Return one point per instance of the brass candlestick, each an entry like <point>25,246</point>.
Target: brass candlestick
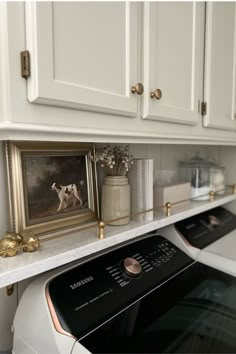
<point>168,206</point>
<point>211,196</point>
<point>101,226</point>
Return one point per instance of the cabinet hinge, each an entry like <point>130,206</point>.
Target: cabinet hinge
<point>203,108</point>
<point>25,64</point>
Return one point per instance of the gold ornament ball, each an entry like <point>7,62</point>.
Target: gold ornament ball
<point>7,247</point>
<point>14,236</point>
<point>31,243</point>
<point>101,224</point>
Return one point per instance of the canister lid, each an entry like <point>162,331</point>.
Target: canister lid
<point>197,161</point>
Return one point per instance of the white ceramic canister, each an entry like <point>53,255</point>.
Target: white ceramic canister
<point>115,200</point>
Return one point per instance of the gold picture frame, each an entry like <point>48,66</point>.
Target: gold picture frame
<point>52,186</point>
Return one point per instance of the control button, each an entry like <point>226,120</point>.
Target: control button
<point>132,267</point>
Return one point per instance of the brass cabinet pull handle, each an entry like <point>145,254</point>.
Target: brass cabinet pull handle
<point>138,88</point>
<point>156,94</point>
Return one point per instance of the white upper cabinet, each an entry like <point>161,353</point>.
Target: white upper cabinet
<point>83,55</point>
<point>219,86</point>
<point>97,57</point>
<point>173,61</point>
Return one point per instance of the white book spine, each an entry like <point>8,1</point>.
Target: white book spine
<point>141,184</point>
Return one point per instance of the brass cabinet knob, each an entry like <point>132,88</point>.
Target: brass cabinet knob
<point>138,88</point>
<point>156,94</point>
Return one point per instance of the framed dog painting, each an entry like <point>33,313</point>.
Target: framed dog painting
<point>52,186</point>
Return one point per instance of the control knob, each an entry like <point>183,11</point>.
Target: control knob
<point>132,267</point>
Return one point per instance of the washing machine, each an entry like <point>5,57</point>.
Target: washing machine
<point>209,237</point>
<point>147,296</point>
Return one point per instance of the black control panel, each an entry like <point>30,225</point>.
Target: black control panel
<point>86,296</point>
<point>162,252</point>
<point>203,229</point>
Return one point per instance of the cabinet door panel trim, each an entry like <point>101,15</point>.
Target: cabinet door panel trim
<point>213,119</point>
<point>168,111</point>
<point>43,87</point>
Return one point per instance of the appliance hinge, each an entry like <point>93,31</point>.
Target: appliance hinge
<point>203,108</point>
<point>25,64</point>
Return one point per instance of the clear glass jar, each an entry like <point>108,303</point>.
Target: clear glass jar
<point>197,172</point>
<point>217,180</point>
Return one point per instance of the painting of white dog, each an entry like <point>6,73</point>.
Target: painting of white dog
<point>56,185</point>
<point>67,195</point>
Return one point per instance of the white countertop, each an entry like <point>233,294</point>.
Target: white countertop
<point>77,245</point>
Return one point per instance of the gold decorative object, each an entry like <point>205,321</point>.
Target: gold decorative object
<point>10,289</point>
<point>168,206</point>
<point>101,226</point>
<point>8,247</point>
<point>14,236</point>
<point>211,196</point>
<point>11,243</point>
<point>31,243</point>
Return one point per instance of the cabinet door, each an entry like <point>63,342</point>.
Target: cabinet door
<point>173,60</point>
<point>83,55</point>
<point>219,84</point>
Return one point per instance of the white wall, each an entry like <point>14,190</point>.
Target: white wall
<point>166,157</point>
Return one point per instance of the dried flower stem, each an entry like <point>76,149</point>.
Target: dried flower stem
<point>116,160</point>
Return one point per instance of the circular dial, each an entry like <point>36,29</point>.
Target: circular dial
<point>132,267</point>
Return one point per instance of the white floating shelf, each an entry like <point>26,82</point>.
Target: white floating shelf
<point>57,252</point>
